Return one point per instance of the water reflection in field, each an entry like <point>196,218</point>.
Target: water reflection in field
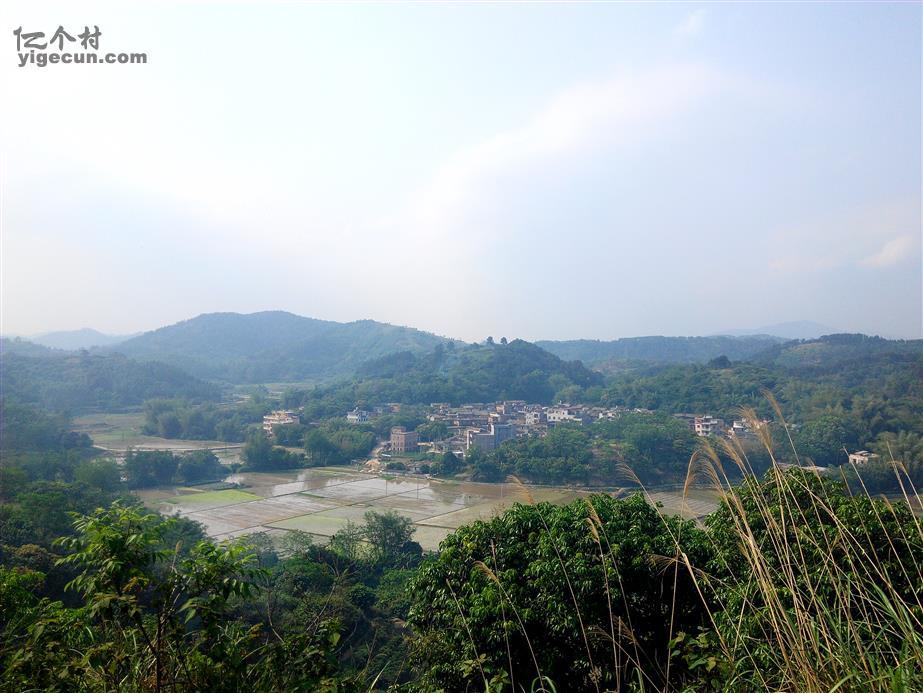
<point>321,501</point>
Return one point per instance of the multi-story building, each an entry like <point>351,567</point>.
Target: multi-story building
<point>476,438</point>
<point>358,416</point>
<point>279,418</point>
<point>564,414</point>
<point>403,441</point>
<point>708,426</point>
<point>490,439</point>
<point>502,433</point>
<point>535,418</point>
<point>469,417</point>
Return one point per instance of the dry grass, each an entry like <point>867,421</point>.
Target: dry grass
<point>815,598</point>
<point>819,603</point>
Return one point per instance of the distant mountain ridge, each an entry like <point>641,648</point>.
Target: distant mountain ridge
<point>71,340</point>
<point>656,349</point>
<point>273,346</point>
<point>799,329</point>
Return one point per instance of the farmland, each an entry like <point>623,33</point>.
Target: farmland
<point>321,501</point>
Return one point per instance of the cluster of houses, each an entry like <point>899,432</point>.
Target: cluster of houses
<point>708,425</point>
<point>486,426</point>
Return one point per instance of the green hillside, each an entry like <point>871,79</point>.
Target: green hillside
<point>834,351</point>
<point>875,383</point>
<point>606,355</point>
<point>458,374</point>
<point>273,346</point>
<point>79,381</point>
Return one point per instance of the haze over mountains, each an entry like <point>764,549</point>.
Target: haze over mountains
<point>273,346</point>
<point>277,346</point>
<point>80,380</point>
<point>660,349</point>
<point>85,338</point>
<point>198,358</point>
<point>800,329</point>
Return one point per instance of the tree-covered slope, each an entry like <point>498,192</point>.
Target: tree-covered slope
<point>835,351</point>
<point>24,347</point>
<point>876,383</point>
<point>76,381</point>
<point>654,349</point>
<point>458,374</point>
<point>273,346</point>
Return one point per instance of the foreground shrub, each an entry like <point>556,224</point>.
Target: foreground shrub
<point>570,593</point>
<point>796,583</point>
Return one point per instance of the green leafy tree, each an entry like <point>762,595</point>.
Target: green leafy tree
<point>826,440</point>
<point>905,447</point>
<point>200,465</point>
<point>449,464</point>
<point>321,451</point>
<point>554,591</point>
<point>347,542</point>
<point>131,590</point>
<point>389,536</point>
<point>433,430</point>
<point>150,468</point>
<point>102,473</point>
<point>257,450</point>
<point>259,453</point>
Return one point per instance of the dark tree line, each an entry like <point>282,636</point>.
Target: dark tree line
<point>62,381</point>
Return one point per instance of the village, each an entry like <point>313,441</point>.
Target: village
<point>487,426</point>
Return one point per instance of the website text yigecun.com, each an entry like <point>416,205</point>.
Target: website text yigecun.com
<point>41,59</point>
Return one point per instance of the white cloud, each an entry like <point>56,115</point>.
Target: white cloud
<point>622,109</point>
<point>876,235</point>
<point>693,24</point>
<point>892,252</point>
<point>466,203</point>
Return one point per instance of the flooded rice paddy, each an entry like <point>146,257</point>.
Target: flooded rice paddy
<point>321,501</point>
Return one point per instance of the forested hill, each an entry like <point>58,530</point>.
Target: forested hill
<point>871,385</point>
<point>458,374</point>
<point>79,381</point>
<point>837,351</point>
<point>273,346</point>
<point>85,338</point>
<point>604,355</point>
<point>24,347</point>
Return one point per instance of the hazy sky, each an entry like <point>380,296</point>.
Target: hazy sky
<point>541,171</point>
